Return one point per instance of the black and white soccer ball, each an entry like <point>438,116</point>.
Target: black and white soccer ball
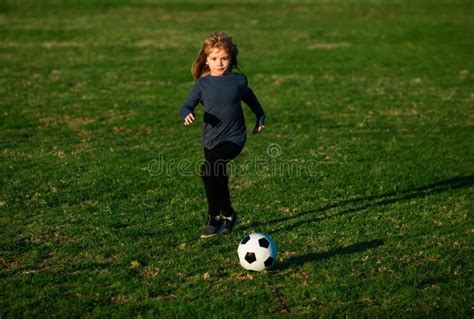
<point>257,252</point>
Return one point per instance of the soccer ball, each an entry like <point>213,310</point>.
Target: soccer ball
<point>257,252</point>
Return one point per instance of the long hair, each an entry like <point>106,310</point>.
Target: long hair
<point>215,40</point>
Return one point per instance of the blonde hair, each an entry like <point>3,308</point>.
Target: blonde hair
<point>215,40</point>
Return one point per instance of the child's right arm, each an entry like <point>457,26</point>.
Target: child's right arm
<point>187,109</point>
<point>189,119</point>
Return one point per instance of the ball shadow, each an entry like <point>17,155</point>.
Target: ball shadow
<point>298,261</point>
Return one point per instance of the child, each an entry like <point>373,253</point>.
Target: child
<point>220,91</point>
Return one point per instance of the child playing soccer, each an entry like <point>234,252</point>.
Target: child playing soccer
<point>220,91</point>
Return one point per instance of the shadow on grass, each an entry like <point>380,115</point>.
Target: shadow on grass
<point>298,261</point>
<point>364,203</point>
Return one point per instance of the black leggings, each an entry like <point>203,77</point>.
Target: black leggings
<point>215,178</point>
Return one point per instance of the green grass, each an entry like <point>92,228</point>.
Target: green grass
<point>379,94</point>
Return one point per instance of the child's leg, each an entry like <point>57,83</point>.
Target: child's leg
<point>224,198</point>
<point>228,151</point>
<point>214,223</point>
<point>215,179</point>
<point>212,189</point>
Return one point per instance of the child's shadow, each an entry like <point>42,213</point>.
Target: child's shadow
<point>363,203</point>
<point>300,260</point>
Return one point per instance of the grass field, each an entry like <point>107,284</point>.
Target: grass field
<point>363,175</point>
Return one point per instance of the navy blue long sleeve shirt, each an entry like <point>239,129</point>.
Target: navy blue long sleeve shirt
<point>221,97</point>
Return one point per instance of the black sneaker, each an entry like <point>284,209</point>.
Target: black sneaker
<point>212,227</point>
<point>229,224</point>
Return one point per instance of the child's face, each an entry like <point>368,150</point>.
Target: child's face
<point>218,61</point>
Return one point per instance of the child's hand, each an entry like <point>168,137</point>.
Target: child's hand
<point>189,119</point>
<point>257,128</point>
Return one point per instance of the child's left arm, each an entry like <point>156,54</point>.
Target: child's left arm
<point>251,100</point>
